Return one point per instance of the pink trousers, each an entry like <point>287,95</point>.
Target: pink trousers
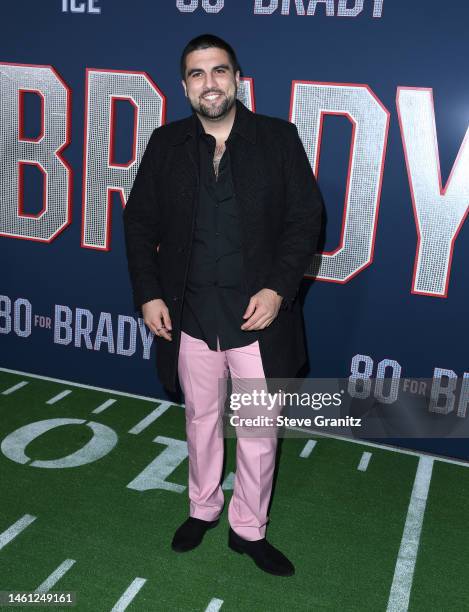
<point>199,369</point>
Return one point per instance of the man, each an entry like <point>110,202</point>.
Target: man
<point>220,225</point>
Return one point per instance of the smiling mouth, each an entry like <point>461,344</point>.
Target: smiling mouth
<point>211,97</point>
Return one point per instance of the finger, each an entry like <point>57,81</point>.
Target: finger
<point>250,308</point>
<point>164,333</point>
<point>167,320</point>
<point>154,328</point>
<point>250,323</point>
<point>263,322</point>
<point>159,329</point>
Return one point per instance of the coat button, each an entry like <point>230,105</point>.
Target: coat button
<point>181,250</point>
<point>175,298</point>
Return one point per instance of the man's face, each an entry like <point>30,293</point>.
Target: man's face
<point>210,85</point>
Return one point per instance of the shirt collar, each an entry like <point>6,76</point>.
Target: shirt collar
<point>244,125</point>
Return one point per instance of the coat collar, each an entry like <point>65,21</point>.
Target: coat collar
<point>244,125</point>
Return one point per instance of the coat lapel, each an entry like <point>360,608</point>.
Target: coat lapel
<point>184,171</point>
<point>244,163</point>
<point>245,169</point>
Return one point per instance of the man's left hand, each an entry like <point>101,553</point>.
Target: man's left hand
<point>262,309</point>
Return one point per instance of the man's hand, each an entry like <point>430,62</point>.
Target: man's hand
<point>156,317</point>
<point>262,309</point>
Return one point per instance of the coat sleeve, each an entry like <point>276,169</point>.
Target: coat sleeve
<point>298,241</point>
<point>141,220</point>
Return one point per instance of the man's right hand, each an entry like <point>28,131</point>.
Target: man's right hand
<point>156,317</point>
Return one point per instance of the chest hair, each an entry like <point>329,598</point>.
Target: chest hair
<point>218,154</point>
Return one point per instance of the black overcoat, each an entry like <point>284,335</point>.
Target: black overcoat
<point>280,208</point>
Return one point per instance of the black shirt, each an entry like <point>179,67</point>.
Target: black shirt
<point>216,292</point>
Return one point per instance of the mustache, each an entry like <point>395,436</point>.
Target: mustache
<point>207,93</point>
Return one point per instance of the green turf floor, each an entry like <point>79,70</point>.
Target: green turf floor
<point>341,527</point>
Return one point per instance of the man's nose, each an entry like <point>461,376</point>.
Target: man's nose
<point>210,81</point>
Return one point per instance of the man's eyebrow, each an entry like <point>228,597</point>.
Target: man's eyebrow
<point>192,70</point>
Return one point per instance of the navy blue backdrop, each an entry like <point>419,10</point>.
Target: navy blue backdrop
<point>382,311</point>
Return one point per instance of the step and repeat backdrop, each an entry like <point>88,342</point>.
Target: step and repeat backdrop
<point>378,91</point>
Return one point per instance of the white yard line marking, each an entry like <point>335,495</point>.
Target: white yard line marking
<point>10,534</point>
<point>15,387</point>
<point>83,386</point>
<point>308,449</point>
<point>404,571</point>
<point>104,405</point>
<point>129,594</point>
<point>228,483</point>
<point>388,447</point>
<point>59,396</point>
<point>214,605</point>
<point>150,418</point>
<point>364,461</point>
<point>56,575</point>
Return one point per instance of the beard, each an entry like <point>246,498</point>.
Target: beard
<point>215,111</point>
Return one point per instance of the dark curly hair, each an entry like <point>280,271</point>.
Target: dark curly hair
<point>206,41</point>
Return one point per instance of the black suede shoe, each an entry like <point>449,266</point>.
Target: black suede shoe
<point>265,556</point>
<point>190,534</point>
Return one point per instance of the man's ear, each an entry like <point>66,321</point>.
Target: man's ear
<point>237,76</point>
<point>184,87</point>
